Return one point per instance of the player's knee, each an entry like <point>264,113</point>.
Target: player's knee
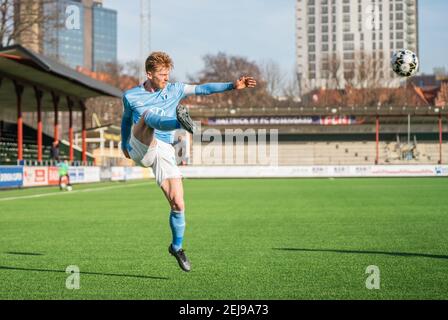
<point>177,204</point>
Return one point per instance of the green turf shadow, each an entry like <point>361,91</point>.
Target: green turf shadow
<point>24,253</point>
<point>400,254</point>
<point>84,272</point>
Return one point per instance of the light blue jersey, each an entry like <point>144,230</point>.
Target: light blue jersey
<point>163,102</point>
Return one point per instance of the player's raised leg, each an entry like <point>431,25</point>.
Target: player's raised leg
<point>143,133</point>
<point>164,123</point>
<point>174,192</point>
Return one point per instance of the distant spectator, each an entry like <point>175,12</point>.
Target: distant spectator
<point>55,151</point>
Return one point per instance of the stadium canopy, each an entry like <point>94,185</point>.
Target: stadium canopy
<point>34,83</point>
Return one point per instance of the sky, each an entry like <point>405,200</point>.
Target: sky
<point>260,30</point>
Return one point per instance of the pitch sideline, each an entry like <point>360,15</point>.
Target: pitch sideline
<point>72,192</point>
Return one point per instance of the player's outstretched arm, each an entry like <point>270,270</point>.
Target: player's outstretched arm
<point>219,87</point>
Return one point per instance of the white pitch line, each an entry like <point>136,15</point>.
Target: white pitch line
<point>71,192</point>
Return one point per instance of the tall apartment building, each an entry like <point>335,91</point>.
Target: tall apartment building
<point>75,32</point>
<point>341,42</point>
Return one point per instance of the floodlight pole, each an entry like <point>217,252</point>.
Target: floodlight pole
<point>145,36</point>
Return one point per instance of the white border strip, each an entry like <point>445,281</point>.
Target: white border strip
<point>61,193</point>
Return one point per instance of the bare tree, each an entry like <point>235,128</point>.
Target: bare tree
<point>221,67</point>
<point>132,69</point>
<point>119,75</point>
<point>291,90</point>
<point>442,97</point>
<point>26,22</point>
<point>332,65</point>
<point>273,76</point>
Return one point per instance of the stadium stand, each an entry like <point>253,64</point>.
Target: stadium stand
<point>8,146</point>
<point>30,82</point>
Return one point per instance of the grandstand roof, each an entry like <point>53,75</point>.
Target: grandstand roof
<point>31,69</point>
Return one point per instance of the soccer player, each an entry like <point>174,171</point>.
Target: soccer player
<point>153,112</point>
<point>63,172</point>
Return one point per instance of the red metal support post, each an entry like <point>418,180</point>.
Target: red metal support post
<point>84,133</point>
<point>55,99</point>
<point>70,127</point>
<point>38,94</point>
<point>19,91</point>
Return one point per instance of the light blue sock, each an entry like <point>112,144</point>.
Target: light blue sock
<point>177,224</point>
<point>158,122</point>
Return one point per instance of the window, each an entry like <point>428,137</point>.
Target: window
<point>349,56</point>
<point>349,46</point>
<point>349,66</point>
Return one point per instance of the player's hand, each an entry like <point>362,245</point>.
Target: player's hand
<point>126,154</point>
<point>245,82</point>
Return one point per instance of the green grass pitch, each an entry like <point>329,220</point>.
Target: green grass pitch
<point>246,239</point>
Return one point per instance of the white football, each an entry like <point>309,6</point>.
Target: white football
<point>405,63</point>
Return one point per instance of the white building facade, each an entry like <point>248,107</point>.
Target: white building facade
<point>350,42</point>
